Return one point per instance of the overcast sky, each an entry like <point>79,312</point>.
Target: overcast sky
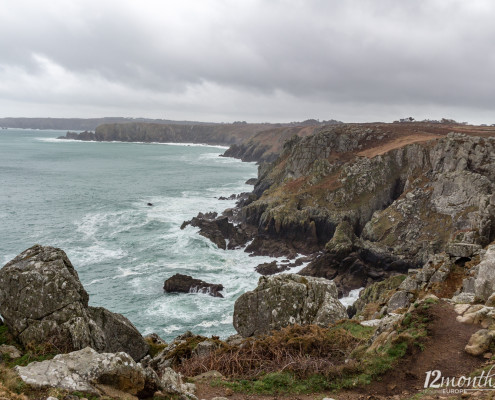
<point>253,60</point>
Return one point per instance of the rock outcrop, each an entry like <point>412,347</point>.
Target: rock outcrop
<point>42,301</point>
<point>180,283</point>
<point>287,299</point>
<point>219,230</point>
<point>90,372</point>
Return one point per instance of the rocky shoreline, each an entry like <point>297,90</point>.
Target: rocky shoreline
<point>407,212</point>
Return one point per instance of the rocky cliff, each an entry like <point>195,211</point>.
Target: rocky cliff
<point>214,134</point>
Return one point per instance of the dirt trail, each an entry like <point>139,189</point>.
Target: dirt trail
<point>444,351</point>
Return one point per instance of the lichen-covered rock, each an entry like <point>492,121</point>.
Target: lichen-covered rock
<point>287,299</point>
<point>484,284</point>
<point>480,342</point>
<point>85,369</point>
<point>172,383</point>
<point>42,301</point>
<point>400,299</point>
<point>342,240</point>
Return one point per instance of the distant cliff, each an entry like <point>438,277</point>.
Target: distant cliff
<point>214,134</point>
<point>79,124</point>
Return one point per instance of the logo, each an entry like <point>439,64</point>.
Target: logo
<point>456,385</point>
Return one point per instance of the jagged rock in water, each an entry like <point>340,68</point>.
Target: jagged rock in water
<point>180,283</point>
<point>218,230</point>
<point>286,299</point>
<point>43,302</point>
<point>271,268</point>
<point>88,371</point>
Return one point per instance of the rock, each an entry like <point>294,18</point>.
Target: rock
<point>43,302</point>
<point>10,351</point>
<point>205,347</point>
<point>286,299</point>
<point>85,370</point>
<point>172,383</point>
<point>207,376</point>
<point>484,284</point>
<point>400,299</point>
<point>490,302</point>
<point>252,181</point>
<point>218,230</point>
<point>270,268</point>
<point>149,204</point>
<point>462,249</point>
<point>119,333</point>
<point>155,339</point>
<point>180,283</point>
<point>342,240</point>
<point>480,342</point>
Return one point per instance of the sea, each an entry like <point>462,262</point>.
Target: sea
<point>90,199</point>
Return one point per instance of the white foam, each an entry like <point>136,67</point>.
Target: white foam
<point>351,298</point>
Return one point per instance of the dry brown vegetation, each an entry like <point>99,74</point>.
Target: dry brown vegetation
<point>302,350</point>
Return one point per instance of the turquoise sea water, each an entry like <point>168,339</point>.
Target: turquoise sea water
<point>90,200</point>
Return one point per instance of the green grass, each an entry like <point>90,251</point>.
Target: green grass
<point>278,383</point>
<point>357,330</point>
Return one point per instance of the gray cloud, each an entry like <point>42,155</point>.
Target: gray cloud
<point>272,60</point>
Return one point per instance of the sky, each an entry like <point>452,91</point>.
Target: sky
<point>249,60</point>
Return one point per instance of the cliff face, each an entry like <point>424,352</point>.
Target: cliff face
<point>267,145</point>
<point>405,192</point>
<point>214,134</point>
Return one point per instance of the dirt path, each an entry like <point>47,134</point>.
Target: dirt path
<point>444,351</point>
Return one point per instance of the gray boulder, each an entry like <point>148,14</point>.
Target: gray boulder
<point>287,299</point>
<point>87,371</point>
<point>42,301</point>
<point>484,283</point>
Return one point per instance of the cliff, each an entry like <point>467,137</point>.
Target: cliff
<point>214,134</point>
<point>267,145</point>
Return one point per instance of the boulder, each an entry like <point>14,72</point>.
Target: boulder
<point>42,301</point>
<point>484,284</point>
<point>480,342</point>
<point>9,351</point>
<point>180,283</point>
<point>400,299</point>
<point>85,370</point>
<point>286,299</point>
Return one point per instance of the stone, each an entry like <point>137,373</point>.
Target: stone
<point>172,383</point>
<point>342,240</point>
<point>287,299</point>
<point>180,283</point>
<point>490,302</point>
<point>480,342</point>
<point>206,376</point>
<point>85,369</point>
<point>205,347</point>
<point>462,249</point>
<point>270,268</point>
<point>10,351</point>
<point>484,284</point>
<point>400,299</point>
<point>43,302</point>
